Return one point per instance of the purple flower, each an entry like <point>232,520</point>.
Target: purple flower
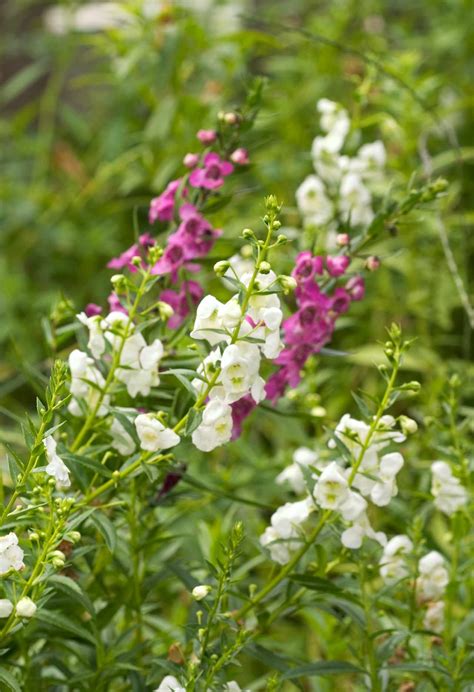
<point>162,207</point>
<point>206,136</point>
<point>115,305</point>
<point>197,233</point>
<point>240,157</point>
<point>182,301</point>
<point>337,265</point>
<point>125,259</point>
<point>356,287</point>
<point>306,267</point>
<point>240,410</point>
<point>212,175</point>
<point>92,309</point>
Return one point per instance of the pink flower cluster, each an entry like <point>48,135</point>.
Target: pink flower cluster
<point>194,236</point>
<point>312,325</point>
<point>308,329</point>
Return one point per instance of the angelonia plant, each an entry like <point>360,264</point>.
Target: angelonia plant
<point>172,369</point>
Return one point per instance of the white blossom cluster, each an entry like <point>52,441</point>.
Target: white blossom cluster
<point>448,492</point>
<point>337,488</point>
<point>232,369</point>
<point>338,190</point>
<point>171,684</point>
<point>137,366</point>
<point>431,581</point>
<point>11,558</point>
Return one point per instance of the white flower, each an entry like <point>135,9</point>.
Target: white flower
<point>240,365</point>
<point>290,516</point>
<point>207,370</point>
<point>263,284</point>
<point>293,475</point>
<point>434,578</point>
<point>331,489</point>
<point>353,536</point>
<point>239,265</point>
<point>372,156</point>
<point>326,160</point>
<point>121,440</point>
<point>139,365</point>
<point>386,488</point>
<point>11,555</point>
<point>355,200</point>
<point>215,428</point>
<point>393,565</point>
<point>208,318</point>
<point>56,466</point>
<point>96,343</point>
<point>83,371</point>
<point>447,490</point>
<point>153,434</point>
<point>25,608</point>
<point>170,684</point>
<point>353,506</point>
<point>313,202</point>
<point>279,549</point>
<point>334,118</point>
<point>201,591</point>
<point>6,608</point>
<point>434,617</point>
<point>232,686</point>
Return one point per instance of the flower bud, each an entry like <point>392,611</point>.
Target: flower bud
<point>221,267</point>
<point>57,562</point>
<point>25,608</point>
<point>74,536</point>
<point>408,425</point>
<point>154,253</point>
<point>191,160</point>
<point>373,263</point>
<point>201,591</point>
<point>34,536</point>
<point>248,233</point>
<point>288,283</point>
<point>240,157</point>
<point>136,261</point>
<point>165,310</point>
<point>282,239</point>
<point>343,239</point>
<point>231,118</point>
<point>413,386</point>
<point>206,136</point>
<point>265,268</point>
<point>119,283</point>
<point>6,608</point>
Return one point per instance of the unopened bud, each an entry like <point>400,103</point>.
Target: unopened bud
<point>343,239</point>
<point>408,425</point>
<point>165,310</point>
<point>282,239</point>
<point>136,261</point>
<point>248,233</point>
<point>221,267</point>
<point>191,160</point>
<point>231,118</point>
<point>373,263</point>
<point>265,268</point>
<point>201,591</point>
<point>413,386</point>
<point>74,536</point>
<point>288,283</point>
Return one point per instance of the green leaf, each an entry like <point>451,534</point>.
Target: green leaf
<point>105,527</point>
<point>323,668</point>
<point>8,679</point>
<point>86,462</point>
<point>321,585</point>
<point>61,622</point>
<point>72,589</point>
<point>192,422</point>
